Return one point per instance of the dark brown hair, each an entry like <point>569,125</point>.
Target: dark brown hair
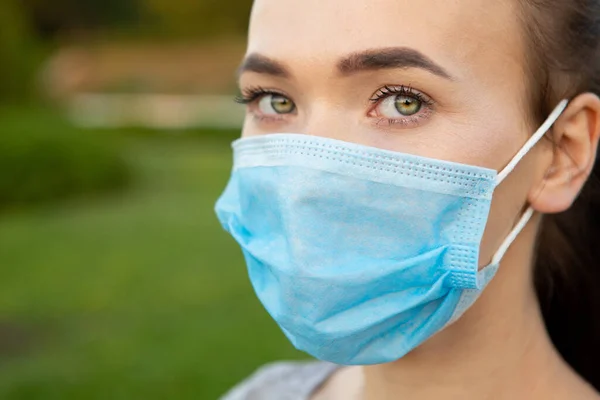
<point>564,61</point>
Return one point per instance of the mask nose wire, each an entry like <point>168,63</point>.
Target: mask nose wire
<point>556,113</point>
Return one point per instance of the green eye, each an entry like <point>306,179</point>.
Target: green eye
<point>406,105</point>
<point>282,104</point>
<point>276,104</point>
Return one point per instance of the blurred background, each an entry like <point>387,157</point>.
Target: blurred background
<point>116,280</point>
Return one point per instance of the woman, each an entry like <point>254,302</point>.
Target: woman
<point>414,199</point>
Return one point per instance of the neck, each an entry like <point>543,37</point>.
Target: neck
<point>499,349</point>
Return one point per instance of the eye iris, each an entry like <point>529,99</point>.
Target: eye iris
<point>281,104</point>
<point>407,105</point>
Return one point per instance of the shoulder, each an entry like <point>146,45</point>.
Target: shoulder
<point>282,381</point>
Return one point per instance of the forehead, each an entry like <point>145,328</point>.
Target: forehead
<point>479,38</point>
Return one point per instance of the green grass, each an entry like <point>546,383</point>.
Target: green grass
<point>140,295</point>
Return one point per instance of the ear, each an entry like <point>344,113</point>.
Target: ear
<point>575,138</point>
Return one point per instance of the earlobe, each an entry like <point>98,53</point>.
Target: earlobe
<point>575,139</point>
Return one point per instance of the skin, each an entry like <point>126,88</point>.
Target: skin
<point>480,116</point>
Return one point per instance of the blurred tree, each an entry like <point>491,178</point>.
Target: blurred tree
<point>198,18</point>
<point>50,18</point>
<point>171,18</point>
<point>16,51</point>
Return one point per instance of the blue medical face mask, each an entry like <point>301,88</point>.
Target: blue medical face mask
<point>361,254</point>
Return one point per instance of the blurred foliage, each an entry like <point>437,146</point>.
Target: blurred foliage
<point>58,16</point>
<point>198,18</point>
<point>136,296</point>
<point>43,159</point>
<point>17,51</point>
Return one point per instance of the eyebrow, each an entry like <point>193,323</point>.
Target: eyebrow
<point>388,58</point>
<point>263,65</point>
<point>368,60</point>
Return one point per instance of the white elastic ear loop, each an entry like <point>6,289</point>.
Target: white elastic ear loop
<point>556,113</point>
<point>512,236</point>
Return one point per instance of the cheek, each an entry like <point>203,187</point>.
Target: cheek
<point>508,205</point>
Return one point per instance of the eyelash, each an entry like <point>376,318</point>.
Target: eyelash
<point>388,90</point>
<point>402,90</point>
<point>252,94</point>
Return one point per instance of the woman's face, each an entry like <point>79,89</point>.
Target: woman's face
<point>436,78</point>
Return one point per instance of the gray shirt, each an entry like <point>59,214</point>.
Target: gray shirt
<point>283,381</point>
